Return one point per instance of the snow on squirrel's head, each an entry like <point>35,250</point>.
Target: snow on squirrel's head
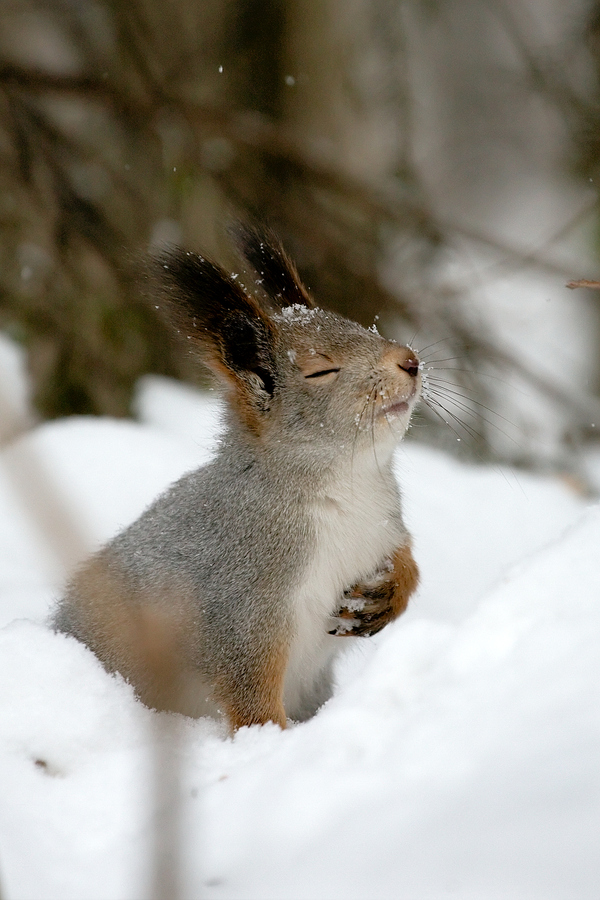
<point>297,378</point>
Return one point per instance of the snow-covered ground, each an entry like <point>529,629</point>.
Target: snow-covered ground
<point>459,757</point>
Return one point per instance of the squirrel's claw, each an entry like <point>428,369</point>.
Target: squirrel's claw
<point>361,623</point>
<point>345,623</point>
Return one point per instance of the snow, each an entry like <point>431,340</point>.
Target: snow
<point>298,313</point>
<point>457,759</point>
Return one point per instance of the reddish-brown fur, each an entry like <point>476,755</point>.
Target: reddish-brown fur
<point>257,697</point>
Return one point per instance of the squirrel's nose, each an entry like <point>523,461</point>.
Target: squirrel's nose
<point>408,361</point>
<point>395,357</point>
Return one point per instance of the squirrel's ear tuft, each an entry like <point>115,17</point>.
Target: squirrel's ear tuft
<point>212,311</point>
<point>277,273</point>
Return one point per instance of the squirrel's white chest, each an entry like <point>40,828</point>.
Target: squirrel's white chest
<point>356,527</point>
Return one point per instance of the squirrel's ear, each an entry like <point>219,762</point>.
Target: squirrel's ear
<point>278,275</point>
<point>233,334</point>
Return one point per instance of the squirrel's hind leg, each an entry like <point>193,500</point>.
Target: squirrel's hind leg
<point>254,695</point>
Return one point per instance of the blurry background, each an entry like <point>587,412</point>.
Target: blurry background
<point>432,163</point>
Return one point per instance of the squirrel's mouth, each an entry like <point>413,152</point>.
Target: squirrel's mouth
<point>398,407</point>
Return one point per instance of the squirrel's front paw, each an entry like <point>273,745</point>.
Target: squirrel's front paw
<point>368,608</point>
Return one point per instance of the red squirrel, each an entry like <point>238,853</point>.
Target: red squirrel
<point>232,593</point>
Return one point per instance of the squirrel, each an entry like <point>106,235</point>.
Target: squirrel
<point>232,591</point>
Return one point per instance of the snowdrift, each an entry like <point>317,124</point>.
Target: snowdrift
<point>459,757</point>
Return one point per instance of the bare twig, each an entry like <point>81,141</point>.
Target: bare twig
<point>583,283</point>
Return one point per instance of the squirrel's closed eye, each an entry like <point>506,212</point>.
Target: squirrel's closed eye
<point>323,373</point>
<point>319,366</point>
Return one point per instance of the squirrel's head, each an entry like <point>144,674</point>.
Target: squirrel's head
<point>297,377</point>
